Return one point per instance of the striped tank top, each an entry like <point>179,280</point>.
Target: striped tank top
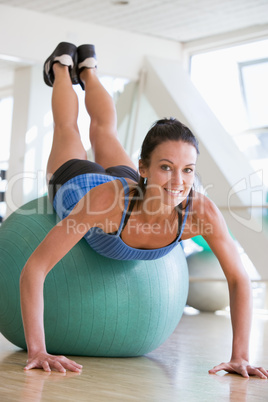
<point>107,244</point>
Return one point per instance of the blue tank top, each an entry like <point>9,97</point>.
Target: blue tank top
<point>106,244</point>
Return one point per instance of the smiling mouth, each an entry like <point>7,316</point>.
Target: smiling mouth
<point>174,192</point>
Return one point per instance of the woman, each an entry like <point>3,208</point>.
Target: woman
<point>122,215</point>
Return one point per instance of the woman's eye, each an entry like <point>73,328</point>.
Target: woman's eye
<point>165,167</point>
<point>188,170</point>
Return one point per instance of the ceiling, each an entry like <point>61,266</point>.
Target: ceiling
<point>178,20</point>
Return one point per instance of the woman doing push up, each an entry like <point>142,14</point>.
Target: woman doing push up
<point>111,204</point>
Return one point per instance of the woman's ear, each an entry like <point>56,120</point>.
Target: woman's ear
<point>142,169</point>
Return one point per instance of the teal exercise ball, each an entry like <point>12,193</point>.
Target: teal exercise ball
<point>93,305</point>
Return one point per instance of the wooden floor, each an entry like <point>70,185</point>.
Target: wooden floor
<point>177,371</point>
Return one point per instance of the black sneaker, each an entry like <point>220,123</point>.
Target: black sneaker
<point>86,58</point>
<point>65,54</point>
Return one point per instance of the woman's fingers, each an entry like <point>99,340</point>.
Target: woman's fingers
<point>241,368</point>
<point>264,371</point>
<point>46,366</point>
<point>33,364</point>
<point>217,368</point>
<point>48,362</point>
<point>243,371</point>
<point>258,371</point>
<point>70,364</point>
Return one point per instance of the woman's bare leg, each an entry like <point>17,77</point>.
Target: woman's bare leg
<point>103,126</point>
<point>66,140</point>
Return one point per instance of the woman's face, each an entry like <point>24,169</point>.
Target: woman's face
<point>170,175</point>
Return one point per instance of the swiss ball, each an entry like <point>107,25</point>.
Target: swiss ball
<point>93,306</point>
<point>208,289</point>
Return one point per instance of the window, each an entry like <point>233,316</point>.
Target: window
<point>234,83</point>
<point>254,85</point>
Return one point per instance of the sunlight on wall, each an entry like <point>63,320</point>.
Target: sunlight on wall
<point>234,83</point>
<point>216,75</point>
<point>6,109</point>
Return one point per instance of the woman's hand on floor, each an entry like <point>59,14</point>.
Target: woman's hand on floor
<point>241,367</point>
<point>49,362</point>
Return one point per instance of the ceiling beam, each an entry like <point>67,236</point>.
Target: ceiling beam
<point>228,39</point>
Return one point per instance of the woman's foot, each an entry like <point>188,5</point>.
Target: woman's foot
<point>65,54</point>
<point>86,58</point>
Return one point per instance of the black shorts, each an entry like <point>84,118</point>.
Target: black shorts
<point>75,167</point>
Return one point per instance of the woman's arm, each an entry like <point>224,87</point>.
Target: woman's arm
<point>94,208</point>
<point>239,285</point>
<point>55,245</point>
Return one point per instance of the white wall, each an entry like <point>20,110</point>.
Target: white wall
<point>28,38</point>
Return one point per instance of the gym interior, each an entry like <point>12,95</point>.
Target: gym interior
<point>206,63</point>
